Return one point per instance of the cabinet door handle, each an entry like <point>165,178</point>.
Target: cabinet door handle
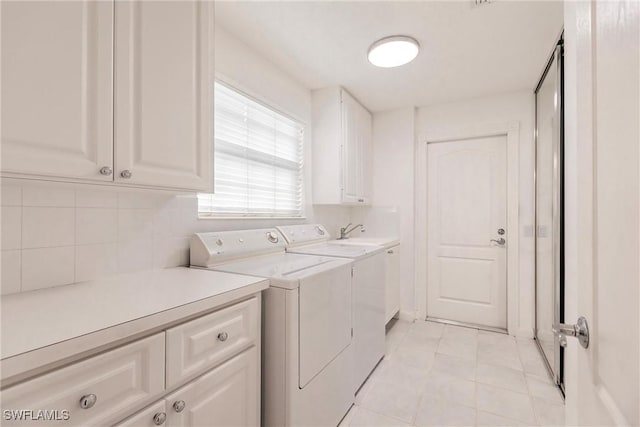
<point>106,171</point>
<point>159,418</point>
<point>390,251</point>
<point>179,405</point>
<point>222,336</point>
<point>88,400</point>
<point>126,174</point>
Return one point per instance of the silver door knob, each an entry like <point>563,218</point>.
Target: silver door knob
<point>126,174</point>
<point>580,330</point>
<point>179,405</point>
<point>88,400</point>
<point>499,241</point>
<point>159,418</point>
<point>222,336</point>
<point>106,171</point>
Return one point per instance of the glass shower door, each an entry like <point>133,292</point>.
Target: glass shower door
<point>549,222</point>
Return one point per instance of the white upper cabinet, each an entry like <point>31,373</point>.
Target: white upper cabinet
<point>342,144</point>
<point>57,88</point>
<point>163,93</point>
<point>118,92</point>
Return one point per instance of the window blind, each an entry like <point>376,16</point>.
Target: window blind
<point>258,160</point>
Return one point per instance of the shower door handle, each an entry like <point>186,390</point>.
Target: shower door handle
<point>499,241</point>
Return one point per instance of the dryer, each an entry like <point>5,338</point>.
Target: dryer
<point>306,345</point>
<point>368,287</point>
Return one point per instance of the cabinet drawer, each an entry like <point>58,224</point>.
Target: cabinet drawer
<point>148,417</point>
<point>118,379</point>
<point>202,343</point>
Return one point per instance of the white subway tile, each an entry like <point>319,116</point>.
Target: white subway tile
<point>170,252</point>
<point>11,194</point>
<point>48,194</point>
<point>135,255</point>
<point>137,199</point>
<point>95,197</point>
<point>95,261</point>
<point>95,225</point>
<point>10,272</point>
<point>47,267</point>
<point>47,227</point>
<point>11,227</point>
<point>134,224</point>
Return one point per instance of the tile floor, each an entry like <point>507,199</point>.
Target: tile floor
<point>443,375</point>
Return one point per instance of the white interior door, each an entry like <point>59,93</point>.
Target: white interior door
<point>602,42</point>
<point>467,206</point>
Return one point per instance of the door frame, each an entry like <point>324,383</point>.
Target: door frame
<point>511,130</point>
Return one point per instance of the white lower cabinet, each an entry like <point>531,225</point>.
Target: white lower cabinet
<point>104,389</point>
<point>392,283</point>
<point>95,391</point>
<point>228,395</point>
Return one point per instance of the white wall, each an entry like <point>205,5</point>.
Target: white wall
<point>395,134</point>
<point>56,233</point>
<point>498,109</point>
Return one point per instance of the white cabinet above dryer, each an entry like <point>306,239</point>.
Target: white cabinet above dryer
<point>108,92</point>
<point>342,148</point>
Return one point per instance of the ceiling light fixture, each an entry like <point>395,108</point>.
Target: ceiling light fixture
<point>393,51</point>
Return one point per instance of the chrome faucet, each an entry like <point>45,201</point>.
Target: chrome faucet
<point>345,231</point>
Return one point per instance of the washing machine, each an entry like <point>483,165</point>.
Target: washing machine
<point>368,287</point>
<point>306,340</point>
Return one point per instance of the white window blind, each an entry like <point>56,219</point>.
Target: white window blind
<point>258,160</point>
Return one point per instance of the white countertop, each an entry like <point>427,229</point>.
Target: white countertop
<point>386,242</point>
<point>48,325</point>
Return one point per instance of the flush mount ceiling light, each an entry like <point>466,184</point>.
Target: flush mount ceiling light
<point>393,51</point>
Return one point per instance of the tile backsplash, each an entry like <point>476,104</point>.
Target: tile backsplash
<point>55,234</point>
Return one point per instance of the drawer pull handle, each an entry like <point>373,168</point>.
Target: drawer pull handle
<point>87,401</point>
<point>222,336</point>
<point>179,405</point>
<point>159,418</point>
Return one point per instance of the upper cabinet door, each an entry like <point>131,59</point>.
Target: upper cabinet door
<point>351,143</point>
<point>366,156</point>
<point>57,88</point>
<point>163,93</point>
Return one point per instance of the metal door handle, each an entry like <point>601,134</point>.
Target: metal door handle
<point>580,330</point>
<point>499,241</point>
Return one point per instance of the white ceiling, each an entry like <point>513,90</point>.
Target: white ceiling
<point>466,50</point>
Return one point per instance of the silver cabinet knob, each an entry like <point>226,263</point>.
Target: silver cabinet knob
<point>88,400</point>
<point>159,418</point>
<point>222,336</point>
<point>499,241</point>
<point>106,171</point>
<point>126,174</point>
<point>179,405</point>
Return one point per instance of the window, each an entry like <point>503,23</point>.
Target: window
<point>258,160</point>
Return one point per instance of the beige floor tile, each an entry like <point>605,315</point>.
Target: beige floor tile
<point>544,390</point>
<point>491,420</point>
<point>364,417</point>
<point>500,376</point>
<point>447,388</point>
<point>505,403</point>
<point>437,412</point>
<point>455,366</point>
<point>548,414</point>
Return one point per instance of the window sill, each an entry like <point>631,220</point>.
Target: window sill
<point>270,218</point>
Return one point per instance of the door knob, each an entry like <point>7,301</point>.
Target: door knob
<point>580,330</point>
<point>499,241</point>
